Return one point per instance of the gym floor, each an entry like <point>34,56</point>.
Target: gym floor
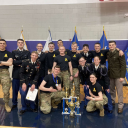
<point>56,120</point>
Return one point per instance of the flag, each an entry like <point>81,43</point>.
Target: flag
<point>75,39</point>
<point>126,58</point>
<point>49,39</point>
<point>22,37</point>
<point>104,43</point>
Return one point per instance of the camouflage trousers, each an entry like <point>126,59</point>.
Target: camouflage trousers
<point>65,77</point>
<point>46,99</point>
<point>94,105</point>
<point>76,81</point>
<point>5,81</point>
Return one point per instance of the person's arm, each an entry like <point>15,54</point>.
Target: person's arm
<point>59,87</point>
<point>122,67</point>
<point>54,64</point>
<point>16,62</point>
<point>7,63</point>
<point>70,69</point>
<point>121,53</point>
<point>41,87</point>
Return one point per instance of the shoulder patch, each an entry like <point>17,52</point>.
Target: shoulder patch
<point>103,66</point>
<point>25,60</point>
<point>88,64</point>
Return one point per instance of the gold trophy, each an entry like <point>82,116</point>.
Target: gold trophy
<point>72,107</point>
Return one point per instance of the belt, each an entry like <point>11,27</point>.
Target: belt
<point>1,69</point>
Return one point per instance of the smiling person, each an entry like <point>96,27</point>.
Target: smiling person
<point>97,98</point>
<point>50,88</point>
<point>116,73</point>
<point>5,61</point>
<point>18,56</point>
<point>29,74</point>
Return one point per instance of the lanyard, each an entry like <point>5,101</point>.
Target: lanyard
<point>54,79</point>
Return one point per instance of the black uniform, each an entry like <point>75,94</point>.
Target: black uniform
<point>18,58</point>
<point>49,60</point>
<point>84,73</point>
<point>103,80</point>
<point>67,52</point>
<point>62,61</point>
<point>29,74</point>
<point>50,82</point>
<point>87,58</point>
<point>74,59</point>
<point>102,54</point>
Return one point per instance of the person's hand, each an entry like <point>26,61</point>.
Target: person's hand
<point>24,87</point>
<point>52,90</point>
<point>76,75</point>
<point>121,53</point>
<point>87,86</point>
<point>32,87</point>
<point>108,90</point>
<point>78,52</point>
<point>88,98</point>
<point>71,78</point>
<point>84,86</point>
<point>121,79</point>
<point>46,51</point>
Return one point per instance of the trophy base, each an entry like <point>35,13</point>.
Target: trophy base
<point>65,113</point>
<point>77,114</point>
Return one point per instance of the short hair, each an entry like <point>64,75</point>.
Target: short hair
<point>39,43</point>
<point>51,43</point>
<point>20,40</point>
<point>82,58</point>
<point>74,43</point>
<point>60,40</point>
<point>86,45</point>
<point>112,42</point>
<point>97,43</point>
<point>3,40</point>
<point>93,74</point>
<point>57,66</point>
<point>61,46</point>
<point>34,52</point>
<point>97,57</point>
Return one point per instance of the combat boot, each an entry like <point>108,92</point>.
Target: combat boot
<point>7,108</point>
<point>102,112</point>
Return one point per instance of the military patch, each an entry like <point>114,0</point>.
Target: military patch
<point>5,55</point>
<point>74,55</point>
<point>27,68</point>
<point>54,55</point>
<point>101,54</point>
<point>94,90</point>
<point>102,66</point>
<point>66,59</point>
<point>65,52</point>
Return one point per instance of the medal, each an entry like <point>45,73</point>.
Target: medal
<point>27,68</point>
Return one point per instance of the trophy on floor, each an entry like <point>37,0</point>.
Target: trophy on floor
<point>72,102</point>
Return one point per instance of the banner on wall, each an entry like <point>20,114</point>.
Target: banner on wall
<point>36,2</point>
<point>126,58</point>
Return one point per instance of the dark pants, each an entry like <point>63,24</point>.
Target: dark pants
<point>86,91</point>
<point>15,88</point>
<point>24,102</point>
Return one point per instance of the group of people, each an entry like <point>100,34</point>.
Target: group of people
<point>52,70</point>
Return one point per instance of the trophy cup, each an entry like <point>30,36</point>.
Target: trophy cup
<point>77,107</point>
<point>72,107</point>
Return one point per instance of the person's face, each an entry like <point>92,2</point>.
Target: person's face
<point>96,61</point>
<point>93,78</point>
<point>3,45</point>
<point>112,46</point>
<point>51,47</point>
<point>85,49</point>
<point>39,47</point>
<point>97,47</point>
<point>82,62</point>
<point>34,57</point>
<point>56,71</point>
<point>62,50</point>
<point>20,44</point>
<point>60,43</point>
<point>74,47</point>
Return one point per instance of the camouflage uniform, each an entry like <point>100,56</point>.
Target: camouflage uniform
<point>93,105</point>
<point>5,81</point>
<point>46,100</point>
<point>65,77</point>
<point>76,82</point>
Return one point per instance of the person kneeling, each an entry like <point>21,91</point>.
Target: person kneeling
<point>97,98</point>
<point>50,88</point>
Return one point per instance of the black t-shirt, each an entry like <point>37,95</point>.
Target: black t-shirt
<point>4,56</point>
<point>95,89</point>
<point>50,82</point>
<point>62,61</point>
<point>67,51</point>
<point>75,59</point>
<point>102,54</point>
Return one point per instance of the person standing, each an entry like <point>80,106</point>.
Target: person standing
<point>5,61</point>
<point>116,73</point>
<point>19,56</point>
